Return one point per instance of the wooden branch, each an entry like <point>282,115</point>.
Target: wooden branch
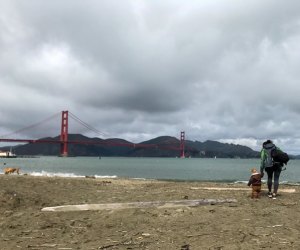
<point>43,245</point>
<point>285,190</point>
<point>145,204</point>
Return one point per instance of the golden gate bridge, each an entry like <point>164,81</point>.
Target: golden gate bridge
<point>64,141</point>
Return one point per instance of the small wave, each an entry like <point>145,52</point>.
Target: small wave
<point>49,174</point>
<point>241,182</point>
<point>143,179</point>
<point>265,182</point>
<point>69,175</point>
<point>106,176</point>
<point>290,183</point>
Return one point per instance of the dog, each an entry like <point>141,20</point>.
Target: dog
<point>11,170</point>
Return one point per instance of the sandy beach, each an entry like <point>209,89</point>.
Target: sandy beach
<point>244,224</point>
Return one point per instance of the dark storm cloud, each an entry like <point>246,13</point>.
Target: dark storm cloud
<point>138,69</point>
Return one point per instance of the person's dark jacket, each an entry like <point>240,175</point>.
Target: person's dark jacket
<point>255,180</point>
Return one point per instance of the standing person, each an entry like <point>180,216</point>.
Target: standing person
<point>255,183</point>
<point>272,168</point>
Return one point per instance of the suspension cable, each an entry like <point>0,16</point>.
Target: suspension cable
<point>91,128</point>
<point>30,126</point>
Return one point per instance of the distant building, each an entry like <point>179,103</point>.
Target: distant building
<point>7,154</point>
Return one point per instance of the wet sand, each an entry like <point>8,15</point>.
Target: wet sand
<point>244,224</point>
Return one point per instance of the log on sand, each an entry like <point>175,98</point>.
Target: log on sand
<point>285,190</point>
<point>145,204</point>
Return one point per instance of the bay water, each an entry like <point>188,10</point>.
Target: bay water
<point>188,169</point>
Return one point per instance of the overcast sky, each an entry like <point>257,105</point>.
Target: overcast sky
<point>218,70</point>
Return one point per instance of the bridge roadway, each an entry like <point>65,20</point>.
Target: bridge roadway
<point>123,144</point>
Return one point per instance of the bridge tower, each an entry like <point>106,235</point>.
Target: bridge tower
<point>64,134</point>
<point>182,140</point>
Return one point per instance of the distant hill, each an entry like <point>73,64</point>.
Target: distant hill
<point>211,149</point>
<point>163,146</point>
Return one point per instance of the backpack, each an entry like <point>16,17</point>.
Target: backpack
<point>268,162</point>
<point>279,156</point>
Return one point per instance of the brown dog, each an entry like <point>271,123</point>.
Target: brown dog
<point>11,170</point>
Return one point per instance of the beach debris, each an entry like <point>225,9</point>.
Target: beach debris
<point>108,246</point>
<point>276,226</point>
<point>90,177</point>
<point>48,246</point>
<point>289,204</point>
<point>43,245</point>
<point>142,204</point>
<point>185,247</point>
<point>104,183</point>
<point>126,242</point>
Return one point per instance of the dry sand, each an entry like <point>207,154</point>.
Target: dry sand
<point>245,224</point>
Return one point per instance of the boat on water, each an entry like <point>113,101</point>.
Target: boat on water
<point>7,154</point>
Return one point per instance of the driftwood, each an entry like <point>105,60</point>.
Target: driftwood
<point>145,204</point>
<point>284,190</point>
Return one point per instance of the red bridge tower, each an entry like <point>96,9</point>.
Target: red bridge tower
<point>64,134</point>
<point>182,139</point>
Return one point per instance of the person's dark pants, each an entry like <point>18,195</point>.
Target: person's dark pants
<point>275,170</point>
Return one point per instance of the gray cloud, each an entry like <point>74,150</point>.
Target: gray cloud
<point>220,71</point>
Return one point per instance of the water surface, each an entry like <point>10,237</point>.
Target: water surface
<point>149,168</point>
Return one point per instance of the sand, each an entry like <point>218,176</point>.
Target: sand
<point>244,224</point>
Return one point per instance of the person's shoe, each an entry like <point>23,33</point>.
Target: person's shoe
<point>274,196</point>
<point>270,195</point>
